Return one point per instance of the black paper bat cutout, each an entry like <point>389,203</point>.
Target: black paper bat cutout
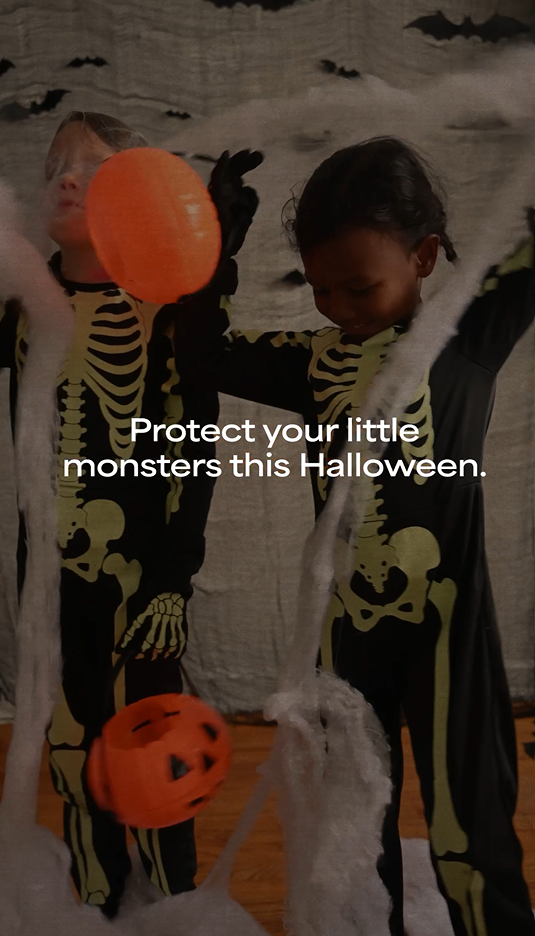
<point>494,29</point>
<point>339,70</point>
<point>529,748</point>
<point>272,5</point>
<point>294,278</point>
<point>80,62</point>
<point>15,111</point>
<point>5,65</point>
<point>182,115</point>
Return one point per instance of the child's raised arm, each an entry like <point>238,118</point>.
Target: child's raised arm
<point>502,311</point>
<point>269,368</point>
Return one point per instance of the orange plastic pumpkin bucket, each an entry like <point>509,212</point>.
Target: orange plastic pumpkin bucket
<point>159,761</point>
<point>153,225</point>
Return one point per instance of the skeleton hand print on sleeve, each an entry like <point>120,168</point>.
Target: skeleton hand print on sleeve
<point>167,634</point>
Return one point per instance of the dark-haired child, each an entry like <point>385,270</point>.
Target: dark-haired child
<point>414,629</point>
<point>130,546</point>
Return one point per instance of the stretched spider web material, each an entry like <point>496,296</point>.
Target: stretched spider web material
<point>329,762</point>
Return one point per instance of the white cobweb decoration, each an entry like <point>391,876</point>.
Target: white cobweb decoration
<point>329,762</point>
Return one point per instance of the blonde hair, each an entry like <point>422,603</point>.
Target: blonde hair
<point>113,132</point>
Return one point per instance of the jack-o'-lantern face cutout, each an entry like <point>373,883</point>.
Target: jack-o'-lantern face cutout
<point>159,761</point>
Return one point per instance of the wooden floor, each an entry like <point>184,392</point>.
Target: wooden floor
<point>258,879</point>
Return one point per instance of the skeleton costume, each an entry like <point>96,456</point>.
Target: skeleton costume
<point>414,629</point>
<point>129,549</point>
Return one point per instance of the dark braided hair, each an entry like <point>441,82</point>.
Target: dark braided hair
<point>381,184</point>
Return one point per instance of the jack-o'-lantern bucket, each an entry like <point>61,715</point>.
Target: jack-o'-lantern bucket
<point>159,761</point>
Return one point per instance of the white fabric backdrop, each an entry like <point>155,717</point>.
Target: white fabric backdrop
<point>191,56</point>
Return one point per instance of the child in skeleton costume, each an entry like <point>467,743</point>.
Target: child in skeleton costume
<point>130,546</point>
<point>414,628</point>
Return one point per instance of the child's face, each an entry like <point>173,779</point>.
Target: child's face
<point>74,157</point>
<point>365,280</point>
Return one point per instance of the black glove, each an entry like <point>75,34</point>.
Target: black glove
<point>236,203</point>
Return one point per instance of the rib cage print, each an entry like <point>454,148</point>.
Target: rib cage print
<point>108,356</point>
<point>340,373</point>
